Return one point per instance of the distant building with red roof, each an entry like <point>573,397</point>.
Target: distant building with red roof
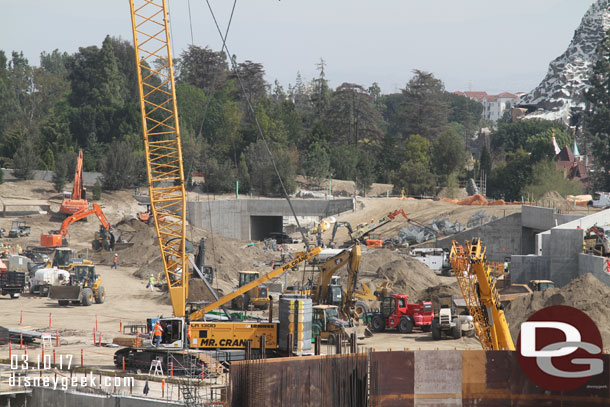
<point>571,166</point>
<point>494,106</point>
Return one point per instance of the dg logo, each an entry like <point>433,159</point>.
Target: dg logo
<point>560,348</point>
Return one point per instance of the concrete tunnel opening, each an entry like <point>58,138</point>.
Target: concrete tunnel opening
<point>262,226</point>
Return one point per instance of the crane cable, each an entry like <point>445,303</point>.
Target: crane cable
<point>258,126</point>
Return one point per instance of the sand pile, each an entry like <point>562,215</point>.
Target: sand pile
<point>408,275</point>
<point>477,199</point>
<point>552,199</point>
<point>586,293</point>
<point>431,293</point>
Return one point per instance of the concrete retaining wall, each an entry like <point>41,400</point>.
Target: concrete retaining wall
<point>501,238</point>
<point>596,265</point>
<point>531,267</point>
<point>232,218</point>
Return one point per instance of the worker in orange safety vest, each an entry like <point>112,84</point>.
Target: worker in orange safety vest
<point>158,331</point>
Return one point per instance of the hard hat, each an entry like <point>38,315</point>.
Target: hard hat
<point>151,275</point>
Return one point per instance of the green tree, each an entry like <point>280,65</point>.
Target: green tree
<point>485,160</point>
<point>512,136</point>
<point>61,171</point>
<point>541,147</point>
<point>507,180</point>
<point>262,174</point>
<point>243,175</point>
<point>424,110</point>
<point>352,118</point>
<point>598,117</point>
<point>415,178</point>
<point>120,166</point>
<point>344,162</point>
<point>316,165</point>
<point>545,178</point>
<point>364,173</point>
<point>203,68</point>
<point>24,161</point>
<point>448,153</point>
<point>417,149</point>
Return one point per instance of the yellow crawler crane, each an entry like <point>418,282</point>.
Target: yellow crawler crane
<point>475,278</point>
<point>161,130</point>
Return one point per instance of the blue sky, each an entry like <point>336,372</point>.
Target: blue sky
<point>479,44</point>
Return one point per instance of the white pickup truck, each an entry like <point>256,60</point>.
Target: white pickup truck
<point>600,200</point>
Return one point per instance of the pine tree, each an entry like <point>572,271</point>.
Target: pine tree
<point>598,115</point>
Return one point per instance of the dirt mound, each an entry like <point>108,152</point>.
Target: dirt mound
<point>585,293</point>
<point>431,293</point>
<point>477,199</point>
<point>408,275</point>
<point>552,199</point>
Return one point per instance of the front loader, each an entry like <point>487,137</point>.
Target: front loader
<point>84,287</point>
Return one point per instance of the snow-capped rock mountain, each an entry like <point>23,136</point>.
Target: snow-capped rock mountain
<point>566,80</point>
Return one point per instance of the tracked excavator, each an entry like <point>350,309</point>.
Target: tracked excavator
<point>221,339</point>
<point>107,237</point>
<point>75,201</point>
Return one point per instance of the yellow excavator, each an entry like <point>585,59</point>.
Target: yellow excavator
<point>160,125</point>
<point>476,281</point>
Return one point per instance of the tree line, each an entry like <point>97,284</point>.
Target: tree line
<point>420,139</point>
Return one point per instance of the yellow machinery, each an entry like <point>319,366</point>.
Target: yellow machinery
<point>476,282</point>
<point>258,296</point>
<point>328,325</point>
<point>168,204</point>
<point>84,287</point>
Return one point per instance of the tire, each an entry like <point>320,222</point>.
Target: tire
<point>100,296</point>
<point>378,323</point>
<point>426,328</point>
<point>241,303</point>
<point>332,339</point>
<point>360,309</point>
<point>436,330</point>
<point>456,331</point>
<point>405,325</point>
<point>63,303</point>
<point>86,297</point>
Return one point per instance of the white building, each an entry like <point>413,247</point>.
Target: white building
<point>494,106</point>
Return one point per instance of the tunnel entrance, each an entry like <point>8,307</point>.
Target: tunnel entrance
<point>261,226</point>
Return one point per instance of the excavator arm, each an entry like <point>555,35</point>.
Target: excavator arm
<point>478,288</point>
<point>299,258</point>
<point>83,214</point>
<point>77,187</point>
<point>352,278</point>
<point>327,270</point>
<point>365,230</point>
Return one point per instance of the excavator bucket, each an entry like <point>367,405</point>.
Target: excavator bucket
<point>65,292</point>
<point>362,331</point>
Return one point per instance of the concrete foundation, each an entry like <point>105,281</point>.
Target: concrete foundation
<point>254,219</point>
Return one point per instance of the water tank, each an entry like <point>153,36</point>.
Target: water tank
<point>295,319</point>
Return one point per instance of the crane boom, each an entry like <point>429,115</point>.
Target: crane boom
<point>161,131</point>
<point>299,258</point>
<point>478,288</point>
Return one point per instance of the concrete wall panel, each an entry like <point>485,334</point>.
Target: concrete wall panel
<point>536,217</point>
<point>502,237</point>
<point>526,268</point>
<point>566,245</point>
<point>596,265</point>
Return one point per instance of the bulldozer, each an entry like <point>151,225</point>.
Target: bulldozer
<point>83,287</point>
<point>258,296</point>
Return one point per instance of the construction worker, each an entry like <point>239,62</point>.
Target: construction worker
<point>115,261</point>
<point>151,283</point>
<point>158,331</point>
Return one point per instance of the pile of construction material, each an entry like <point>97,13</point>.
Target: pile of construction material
<point>585,293</point>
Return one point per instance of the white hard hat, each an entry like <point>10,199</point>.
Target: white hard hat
<point>151,275</point>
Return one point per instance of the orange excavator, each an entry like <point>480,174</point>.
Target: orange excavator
<point>77,201</point>
<point>106,238</point>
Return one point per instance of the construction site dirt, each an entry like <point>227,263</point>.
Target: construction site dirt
<point>128,301</point>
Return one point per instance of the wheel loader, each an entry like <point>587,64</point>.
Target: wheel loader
<point>328,325</point>
<point>258,296</point>
<point>83,287</point>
